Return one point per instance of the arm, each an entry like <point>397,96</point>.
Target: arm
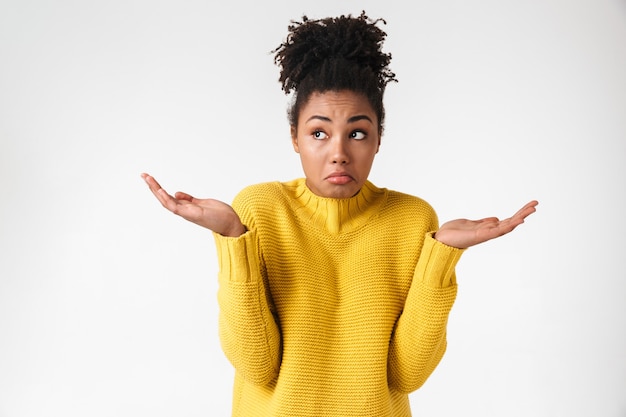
<point>463,233</point>
<point>419,338</point>
<point>249,334</point>
<point>211,214</point>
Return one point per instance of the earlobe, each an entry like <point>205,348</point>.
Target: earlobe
<point>294,139</point>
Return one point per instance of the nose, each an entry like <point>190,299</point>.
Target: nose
<point>339,152</point>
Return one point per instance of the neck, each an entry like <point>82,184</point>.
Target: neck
<point>336,215</point>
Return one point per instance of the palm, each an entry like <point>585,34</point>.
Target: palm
<point>463,233</point>
<point>212,214</point>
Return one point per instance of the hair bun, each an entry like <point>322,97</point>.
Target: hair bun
<point>310,43</point>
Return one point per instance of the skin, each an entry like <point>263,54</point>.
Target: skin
<point>337,139</point>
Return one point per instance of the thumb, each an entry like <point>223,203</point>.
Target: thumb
<point>183,196</point>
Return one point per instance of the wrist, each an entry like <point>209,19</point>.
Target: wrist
<point>236,231</point>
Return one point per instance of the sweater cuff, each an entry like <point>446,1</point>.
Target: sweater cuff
<point>437,262</point>
<point>237,257</point>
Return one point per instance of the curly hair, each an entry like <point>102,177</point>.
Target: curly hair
<point>334,54</point>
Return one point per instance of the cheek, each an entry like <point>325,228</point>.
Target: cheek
<point>308,157</point>
<point>312,163</point>
<point>367,155</point>
<point>311,151</point>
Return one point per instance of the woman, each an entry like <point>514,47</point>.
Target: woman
<point>334,294</point>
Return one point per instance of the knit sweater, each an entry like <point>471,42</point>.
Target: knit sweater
<point>332,307</point>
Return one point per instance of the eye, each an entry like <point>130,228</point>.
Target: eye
<point>318,134</point>
<point>357,135</point>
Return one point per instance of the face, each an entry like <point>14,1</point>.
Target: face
<point>337,139</point>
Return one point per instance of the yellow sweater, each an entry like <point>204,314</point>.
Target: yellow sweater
<point>332,307</point>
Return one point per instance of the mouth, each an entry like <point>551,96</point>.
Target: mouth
<point>339,178</point>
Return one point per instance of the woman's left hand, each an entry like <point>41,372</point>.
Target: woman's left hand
<point>463,233</point>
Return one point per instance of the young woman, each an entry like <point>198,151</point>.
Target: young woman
<point>334,293</point>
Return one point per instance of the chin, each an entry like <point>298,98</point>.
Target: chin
<point>343,192</point>
<point>335,191</point>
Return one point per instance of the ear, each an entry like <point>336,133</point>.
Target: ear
<point>378,147</point>
<point>294,139</point>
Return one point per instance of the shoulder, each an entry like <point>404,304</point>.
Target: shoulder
<point>411,208</point>
<point>264,203</point>
<point>257,194</point>
<point>408,201</point>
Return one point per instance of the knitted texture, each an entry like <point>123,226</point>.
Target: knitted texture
<point>332,307</point>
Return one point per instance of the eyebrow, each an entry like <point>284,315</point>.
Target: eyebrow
<point>350,120</point>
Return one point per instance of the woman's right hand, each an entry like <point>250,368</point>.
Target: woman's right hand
<point>212,214</point>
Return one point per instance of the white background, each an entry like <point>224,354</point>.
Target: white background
<point>108,302</point>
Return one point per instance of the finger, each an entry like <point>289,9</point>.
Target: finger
<point>530,205</point>
<point>179,205</point>
<point>164,198</point>
<point>183,196</point>
<point>488,220</point>
<point>167,200</point>
<point>508,225</point>
<point>527,210</point>
<point>152,183</point>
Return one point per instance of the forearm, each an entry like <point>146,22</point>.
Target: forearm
<point>248,332</point>
<point>419,338</point>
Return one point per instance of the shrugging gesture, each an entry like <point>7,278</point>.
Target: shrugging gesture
<point>221,218</point>
<point>463,233</point>
<point>337,301</point>
<point>212,214</point>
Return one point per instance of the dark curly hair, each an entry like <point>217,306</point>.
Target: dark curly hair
<point>334,54</point>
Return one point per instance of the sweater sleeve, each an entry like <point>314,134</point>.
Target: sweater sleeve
<point>249,334</point>
<point>419,338</point>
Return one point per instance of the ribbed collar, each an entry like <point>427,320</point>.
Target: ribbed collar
<point>335,215</point>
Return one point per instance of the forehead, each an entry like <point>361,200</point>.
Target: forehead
<point>339,103</point>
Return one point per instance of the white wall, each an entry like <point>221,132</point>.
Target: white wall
<point>108,302</point>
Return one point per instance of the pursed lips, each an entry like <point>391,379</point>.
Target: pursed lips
<point>339,178</point>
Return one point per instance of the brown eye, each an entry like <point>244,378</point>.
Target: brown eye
<point>357,135</point>
<point>318,134</point>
